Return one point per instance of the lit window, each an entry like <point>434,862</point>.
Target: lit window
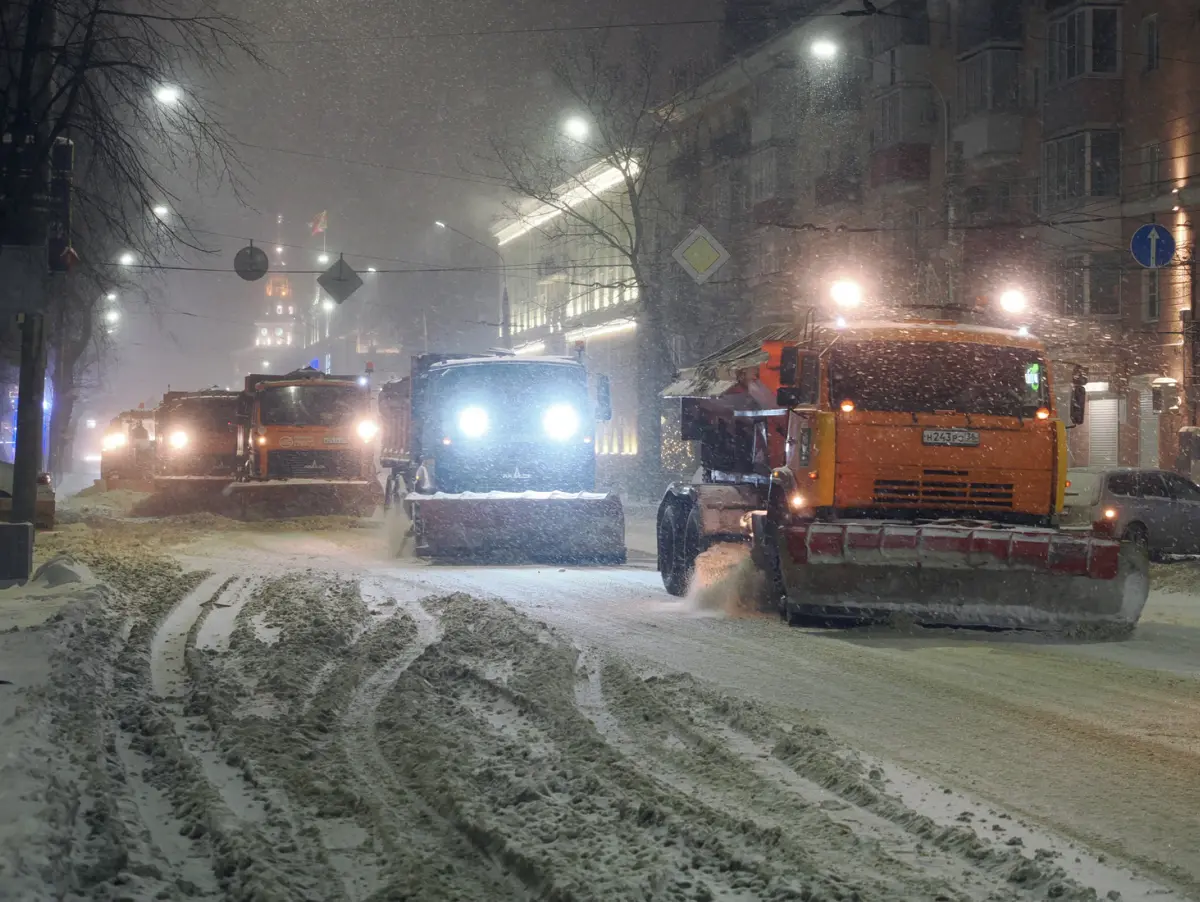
<point>263,330</point>
<point>279,308</point>
<point>291,310</point>
<point>279,331</point>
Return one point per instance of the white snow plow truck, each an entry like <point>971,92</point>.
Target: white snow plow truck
<point>494,457</point>
<point>885,469</point>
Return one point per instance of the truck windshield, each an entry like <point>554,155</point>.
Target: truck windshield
<point>511,393</point>
<point>310,405</point>
<point>214,416</point>
<point>926,376</point>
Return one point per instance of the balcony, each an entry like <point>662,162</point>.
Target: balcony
<point>838,187</point>
<point>1081,102</point>
<point>900,164</point>
<point>731,145</point>
<point>994,137</point>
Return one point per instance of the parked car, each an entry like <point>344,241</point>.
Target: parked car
<point>43,517</point>
<point>1155,508</point>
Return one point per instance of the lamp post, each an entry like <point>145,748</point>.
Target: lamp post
<point>505,312</point>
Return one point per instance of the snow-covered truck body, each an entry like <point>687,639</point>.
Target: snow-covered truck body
<point>886,468</point>
<point>306,443</point>
<point>496,456</point>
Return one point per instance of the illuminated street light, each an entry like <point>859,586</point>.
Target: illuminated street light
<point>323,259</point>
<point>824,49</point>
<point>167,95</point>
<point>846,293</point>
<point>278,250</point>
<point>372,269</point>
<point>329,306</point>
<point>112,316</point>
<point>126,259</point>
<point>111,296</point>
<point>1012,301</point>
<point>91,424</point>
<point>162,211</point>
<point>266,364</point>
<point>576,128</point>
<point>439,224</point>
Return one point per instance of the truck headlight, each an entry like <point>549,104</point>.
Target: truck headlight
<point>114,441</point>
<point>473,422</point>
<point>560,421</point>
<point>178,439</point>
<point>367,430</point>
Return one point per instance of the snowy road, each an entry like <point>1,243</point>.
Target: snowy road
<point>307,718</point>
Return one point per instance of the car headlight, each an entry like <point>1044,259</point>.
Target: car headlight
<point>560,421</point>
<point>367,430</point>
<point>114,441</point>
<point>178,439</point>
<point>473,422</point>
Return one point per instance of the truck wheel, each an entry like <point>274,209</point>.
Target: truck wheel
<point>678,546</point>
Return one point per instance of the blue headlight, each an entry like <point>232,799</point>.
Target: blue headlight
<point>561,421</point>
<point>473,422</point>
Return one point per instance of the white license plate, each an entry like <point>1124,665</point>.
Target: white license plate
<point>967,438</point>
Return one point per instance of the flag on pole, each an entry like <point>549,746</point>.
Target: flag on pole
<point>321,223</point>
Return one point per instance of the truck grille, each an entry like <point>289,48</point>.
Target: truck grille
<point>944,489</point>
<point>303,464</point>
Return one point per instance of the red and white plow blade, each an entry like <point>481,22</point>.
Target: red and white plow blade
<point>962,575</point>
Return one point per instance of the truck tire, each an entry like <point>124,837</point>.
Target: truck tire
<point>678,546</point>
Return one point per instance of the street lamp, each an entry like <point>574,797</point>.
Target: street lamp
<point>576,128</point>
<point>167,95</point>
<point>111,296</point>
<point>846,293</point>
<point>371,269</point>
<point>329,306</point>
<point>1012,301</point>
<point>161,211</point>
<point>824,49</point>
<point>323,259</point>
<point>126,259</point>
<point>439,223</point>
<point>279,249</point>
<point>112,316</point>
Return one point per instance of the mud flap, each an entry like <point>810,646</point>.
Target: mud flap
<point>583,527</point>
<point>963,576</point>
<point>282,498</point>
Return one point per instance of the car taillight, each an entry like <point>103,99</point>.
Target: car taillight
<point>43,479</point>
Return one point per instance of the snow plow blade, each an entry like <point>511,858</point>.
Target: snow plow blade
<point>960,575</point>
<point>280,498</point>
<point>576,527</point>
<point>189,494</point>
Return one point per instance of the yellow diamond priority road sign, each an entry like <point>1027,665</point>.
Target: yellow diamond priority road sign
<point>701,254</point>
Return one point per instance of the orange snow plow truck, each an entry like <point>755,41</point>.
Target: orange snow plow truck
<point>306,445</point>
<point>885,469</point>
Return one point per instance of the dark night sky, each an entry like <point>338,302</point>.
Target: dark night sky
<point>346,84</point>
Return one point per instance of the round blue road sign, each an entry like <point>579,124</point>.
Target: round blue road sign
<point>1152,245</point>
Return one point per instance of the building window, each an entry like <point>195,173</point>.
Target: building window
<point>889,119</point>
<point>262,331</point>
<point>1083,42</point>
<point>1150,43</point>
<point>989,81</point>
<point>291,310</point>
<point>1091,284</point>
<point>1086,164</point>
<point>279,309</point>
<point>1152,159</point>
<point>762,176</point>
<point>1151,294</point>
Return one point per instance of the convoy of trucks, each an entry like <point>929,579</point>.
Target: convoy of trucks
<point>914,467</point>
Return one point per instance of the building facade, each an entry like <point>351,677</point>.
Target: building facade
<point>945,152</point>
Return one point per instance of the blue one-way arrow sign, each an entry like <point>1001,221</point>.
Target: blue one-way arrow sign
<point>1152,245</point>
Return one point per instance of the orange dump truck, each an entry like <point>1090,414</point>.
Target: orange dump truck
<point>912,468</point>
<point>197,452</point>
<point>306,444</point>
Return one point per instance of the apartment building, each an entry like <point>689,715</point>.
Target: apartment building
<point>942,152</point>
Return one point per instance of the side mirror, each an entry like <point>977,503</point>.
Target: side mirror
<point>603,399</point>
<point>1078,404</point>
<point>804,383</point>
